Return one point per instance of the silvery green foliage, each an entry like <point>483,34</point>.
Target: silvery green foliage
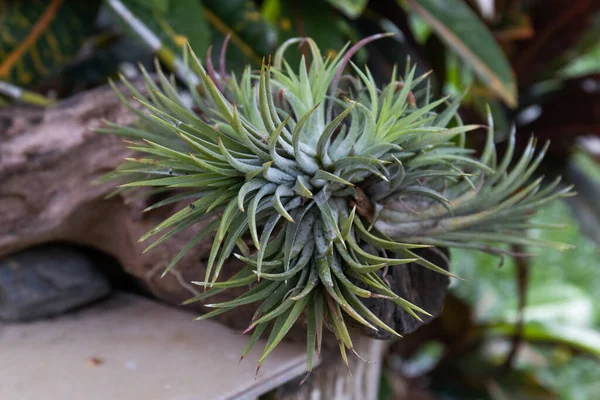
<point>319,181</point>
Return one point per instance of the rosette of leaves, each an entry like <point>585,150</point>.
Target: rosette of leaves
<point>319,181</point>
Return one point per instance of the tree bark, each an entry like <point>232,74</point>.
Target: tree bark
<point>333,380</point>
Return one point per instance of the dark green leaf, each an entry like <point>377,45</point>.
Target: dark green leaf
<point>307,18</point>
<point>37,37</point>
<point>352,8</point>
<point>174,22</point>
<point>461,29</point>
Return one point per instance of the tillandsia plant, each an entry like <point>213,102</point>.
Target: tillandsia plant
<point>319,181</point>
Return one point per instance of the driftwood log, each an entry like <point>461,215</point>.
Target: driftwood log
<point>49,159</point>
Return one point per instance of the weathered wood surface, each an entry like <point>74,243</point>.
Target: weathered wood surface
<point>48,161</point>
<point>333,380</point>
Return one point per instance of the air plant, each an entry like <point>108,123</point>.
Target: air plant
<point>318,181</point>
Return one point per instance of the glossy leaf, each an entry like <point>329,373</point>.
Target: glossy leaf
<point>352,8</point>
<point>554,303</point>
<point>252,36</point>
<point>38,37</point>
<point>578,337</point>
<point>466,34</point>
<point>175,22</point>
<point>307,18</point>
<point>159,5</point>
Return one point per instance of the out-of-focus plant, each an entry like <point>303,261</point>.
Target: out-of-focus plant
<point>58,47</point>
<point>462,355</point>
<point>37,38</point>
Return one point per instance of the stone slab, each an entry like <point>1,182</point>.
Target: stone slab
<point>129,347</point>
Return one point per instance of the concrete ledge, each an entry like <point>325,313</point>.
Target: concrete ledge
<point>129,347</point>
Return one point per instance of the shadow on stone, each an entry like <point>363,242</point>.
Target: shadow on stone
<point>52,279</point>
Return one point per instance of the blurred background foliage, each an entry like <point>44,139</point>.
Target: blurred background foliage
<point>536,63</point>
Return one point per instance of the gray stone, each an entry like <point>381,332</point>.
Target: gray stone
<point>46,281</point>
